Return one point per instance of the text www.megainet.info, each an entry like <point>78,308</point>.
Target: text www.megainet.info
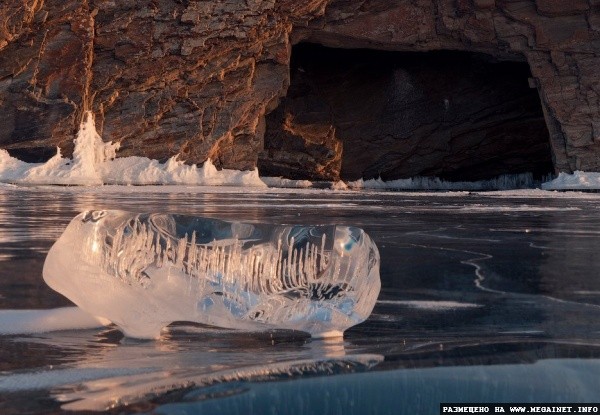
<point>520,408</point>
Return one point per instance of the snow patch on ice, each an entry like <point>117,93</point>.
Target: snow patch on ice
<point>42,321</point>
<point>579,180</point>
<point>339,185</point>
<point>430,305</point>
<point>94,163</point>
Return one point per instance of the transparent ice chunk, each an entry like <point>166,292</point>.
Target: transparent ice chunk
<point>144,271</point>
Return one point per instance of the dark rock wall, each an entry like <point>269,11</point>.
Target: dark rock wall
<point>197,77</point>
<point>359,113</point>
<point>559,39</point>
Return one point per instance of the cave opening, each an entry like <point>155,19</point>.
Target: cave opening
<point>361,113</point>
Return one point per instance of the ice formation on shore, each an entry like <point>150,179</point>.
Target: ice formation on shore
<point>579,180</point>
<point>144,271</point>
<point>505,181</point>
<point>94,163</point>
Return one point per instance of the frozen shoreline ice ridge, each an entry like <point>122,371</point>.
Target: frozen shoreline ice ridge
<point>94,164</point>
<point>144,271</point>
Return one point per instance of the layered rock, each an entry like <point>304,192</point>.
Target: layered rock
<point>162,77</point>
<point>196,78</point>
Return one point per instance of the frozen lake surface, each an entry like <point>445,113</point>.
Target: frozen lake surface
<point>486,297</point>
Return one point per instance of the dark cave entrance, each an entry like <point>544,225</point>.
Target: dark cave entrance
<point>352,113</point>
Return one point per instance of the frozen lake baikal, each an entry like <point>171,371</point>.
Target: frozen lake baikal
<point>485,297</point>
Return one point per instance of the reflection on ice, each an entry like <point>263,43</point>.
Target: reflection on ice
<point>405,392</point>
<point>54,378</point>
<point>110,374</point>
<point>105,393</point>
<point>144,271</point>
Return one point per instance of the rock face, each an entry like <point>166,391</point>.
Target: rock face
<point>162,77</point>
<point>358,113</point>
<point>197,78</point>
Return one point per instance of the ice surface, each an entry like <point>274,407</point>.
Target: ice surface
<point>144,271</point>
<point>46,379</point>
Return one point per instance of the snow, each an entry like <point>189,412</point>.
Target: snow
<point>94,164</point>
<point>430,305</point>
<point>339,185</point>
<point>579,180</point>
<point>289,183</point>
<point>41,321</point>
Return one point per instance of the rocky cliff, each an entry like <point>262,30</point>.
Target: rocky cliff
<point>197,78</point>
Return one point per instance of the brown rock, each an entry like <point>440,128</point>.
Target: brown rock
<point>561,7</point>
<point>197,78</point>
